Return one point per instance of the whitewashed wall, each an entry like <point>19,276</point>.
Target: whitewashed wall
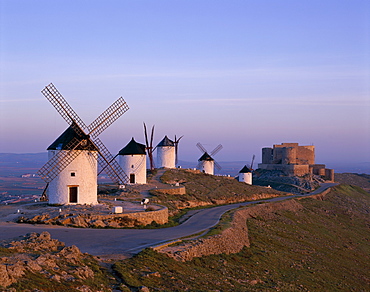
<point>166,157</point>
<point>134,164</point>
<point>246,177</point>
<point>85,168</point>
<point>207,166</point>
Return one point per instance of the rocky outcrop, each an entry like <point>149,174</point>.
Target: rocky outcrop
<point>88,220</point>
<point>39,253</point>
<point>232,239</point>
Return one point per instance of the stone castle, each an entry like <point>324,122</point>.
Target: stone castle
<point>294,160</point>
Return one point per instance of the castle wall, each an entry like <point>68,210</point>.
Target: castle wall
<point>292,153</point>
<point>287,169</point>
<point>306,155</point>
<point>80,173</point>
<point>288,155</point>
<point>267,155</point>
<point>329,174</point>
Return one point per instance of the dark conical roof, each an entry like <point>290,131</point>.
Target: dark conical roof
<point>245,169</point>
<point>205,157</point>
<point>61,143</point>
<point>133,148</point>
<point>166,142</point>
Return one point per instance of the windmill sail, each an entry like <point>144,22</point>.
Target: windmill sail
<point>83,140</point>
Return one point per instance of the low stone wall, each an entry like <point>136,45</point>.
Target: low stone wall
<point>231,240</point>
<point>160,216</point>
<point>173,191</point>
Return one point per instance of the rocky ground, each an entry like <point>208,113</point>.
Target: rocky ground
<point>90,216</point>
<point>292,184</point>
<point>50,264</point>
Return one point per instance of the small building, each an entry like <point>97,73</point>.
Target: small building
<point>166,153</point>
<point>245,175</point>
<point>132,159</point>
<point>77,182</point>
<point>206,164</point>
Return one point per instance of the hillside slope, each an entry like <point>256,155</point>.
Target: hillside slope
<point>360,180</point>
<point>321,244</point>
<point>325,246</point>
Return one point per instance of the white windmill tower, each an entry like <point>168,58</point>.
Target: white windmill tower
<point>245,174</point>
<point>132,159</point>
<point>206,162</point>
<point>71,172</point>
<point>166,153</point>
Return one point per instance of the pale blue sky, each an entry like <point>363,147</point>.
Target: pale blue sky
<point>246,74</point>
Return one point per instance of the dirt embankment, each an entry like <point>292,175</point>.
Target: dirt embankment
<point>232,239</point>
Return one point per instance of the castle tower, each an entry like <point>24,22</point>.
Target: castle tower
<point>245,175</point>
<point>289,155</point>
<point>166,153</point>
<point>206,163</point>
<point>77,182</point>
<point>132,159</point>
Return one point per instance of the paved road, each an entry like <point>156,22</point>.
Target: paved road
<point>126,242</point>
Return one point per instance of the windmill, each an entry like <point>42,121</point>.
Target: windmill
<point>132,159</point>
<point>246,173</point>
<point>166,156</point>
<point>176,142</point>
<point>149,146</point>
<point>71,172</point>
<point>206,162</point>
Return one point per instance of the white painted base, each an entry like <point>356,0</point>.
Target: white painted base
<point>79,175</point>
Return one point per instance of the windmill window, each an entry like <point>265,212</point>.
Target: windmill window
<point>132,166</point>
<point>73,173</point>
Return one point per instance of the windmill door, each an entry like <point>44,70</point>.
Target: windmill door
<point>73,191</point>
<point>132,178</point>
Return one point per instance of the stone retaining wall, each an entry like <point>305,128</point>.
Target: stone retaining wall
<point>160,216</point>
<point>173,191</point>
<point>231,240</point>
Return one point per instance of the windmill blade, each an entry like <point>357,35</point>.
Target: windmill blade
<point>178,140</point>
<point>201,148</point>
<point>146,136</point>
<point>110,165</point>
<point>60,161</point>
<point>252,161</point>
<point>217,165</point>
<point>149,146</point>
<point>151,137</point>
<point>199,164</point>
<point>216,150</point>
<point>176,148</point>
<point>112,113</point>
<point>62,106</point>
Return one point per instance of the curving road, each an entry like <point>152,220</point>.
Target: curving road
<point>126,242</point>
